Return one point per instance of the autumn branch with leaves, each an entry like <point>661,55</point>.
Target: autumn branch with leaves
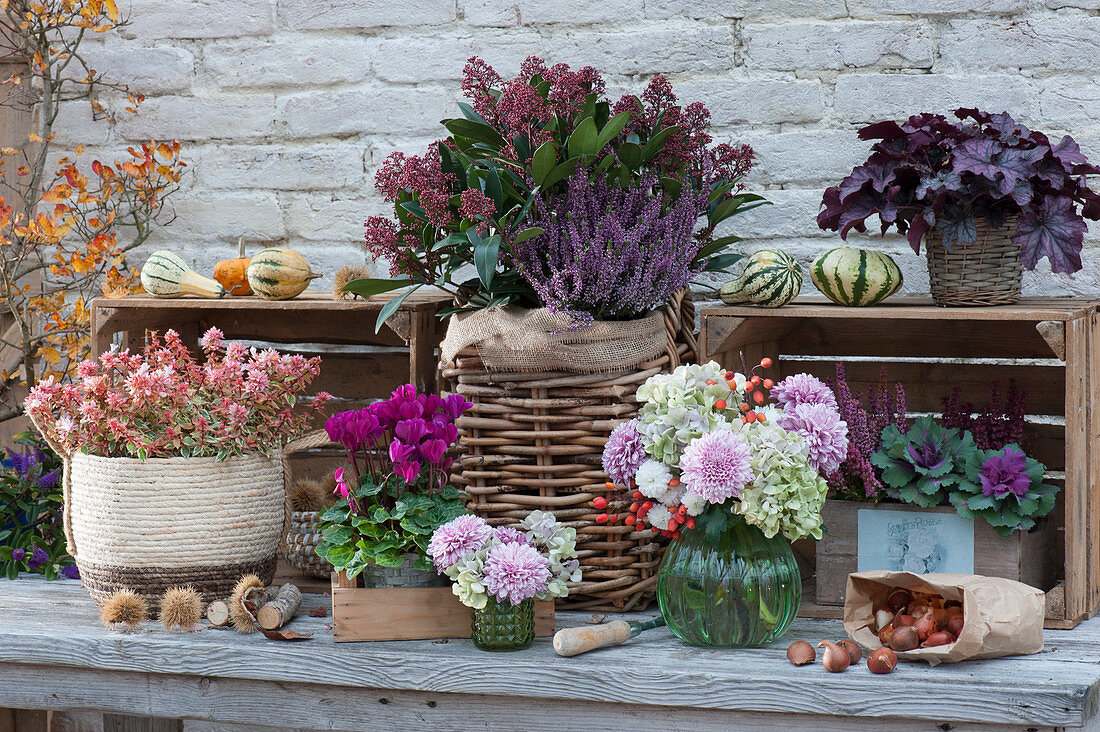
<point>64,231</point>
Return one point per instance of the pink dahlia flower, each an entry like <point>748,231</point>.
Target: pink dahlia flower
<point>803,389</point>
<point>516,572</point>
<point>716,466</point>
<point>624,452</point>
<point>825,433</point>
<point>508,535</point>
<point>457,538</point>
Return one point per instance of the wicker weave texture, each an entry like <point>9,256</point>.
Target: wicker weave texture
<point>302,539</point>
<point>987,272</point>
<point>535,440</point>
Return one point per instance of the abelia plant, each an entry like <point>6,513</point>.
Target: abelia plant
<point>1004,487</point>
<point>920,466</point>
<point>164,402</point>
<point>393,487</point>
<point>468,201</point>
<point>928,172</point>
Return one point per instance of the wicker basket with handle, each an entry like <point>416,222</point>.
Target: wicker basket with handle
<point>534,440</point>
<point>986,272</point>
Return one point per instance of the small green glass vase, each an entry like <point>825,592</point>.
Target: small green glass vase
<point>737,590</point>
<point>502,626</point>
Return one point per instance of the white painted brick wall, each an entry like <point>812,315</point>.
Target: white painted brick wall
<point>287,107</point>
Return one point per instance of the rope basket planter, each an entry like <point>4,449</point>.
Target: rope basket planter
<point>986,272</point>
<point>301,545</point>
<point>534,440</point>
<point>151,525</point>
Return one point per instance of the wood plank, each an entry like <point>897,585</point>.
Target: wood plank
<point>1078,479</point>
<point>917,308</point>
<point>421,613</point>
<point>47,626</point>
<point>127,723</point>
<point>1091,325</point>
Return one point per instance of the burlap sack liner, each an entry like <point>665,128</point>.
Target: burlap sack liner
<point>512,339</point>
<point>1002,617</point>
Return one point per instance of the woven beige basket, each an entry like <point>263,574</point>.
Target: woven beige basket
<point>151,525</point>
<point>986,272</point>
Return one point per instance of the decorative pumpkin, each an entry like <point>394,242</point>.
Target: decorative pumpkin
<point>771,279</point>
<point>233,273</point>
<point>279,273</point>
<point>165,274</point>
<point>855,277</point>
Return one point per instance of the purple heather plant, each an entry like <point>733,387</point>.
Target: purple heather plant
<point>611,252</point>
<point>997,423</point>
<point>930,172</point>
<point>857,479</point>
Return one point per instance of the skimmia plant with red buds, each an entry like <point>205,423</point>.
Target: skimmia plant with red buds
<point>393,487</point>
<point>470,200</point>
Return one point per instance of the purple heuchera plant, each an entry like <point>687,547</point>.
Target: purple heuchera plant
<point>930,172</point>
<point>609,252</point>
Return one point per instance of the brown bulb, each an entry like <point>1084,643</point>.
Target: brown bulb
<point>904,639</point>
<point>926,625</point>
<point>941,638</point>
<point>903,620</point>
<point>885,633</point>
<point>955,625</point>
<point>854,651</point>
<point>882,661</point>
<point>883,617</point>
<point>800,653</point>
<point>898,600</point>
<point>835,658</point>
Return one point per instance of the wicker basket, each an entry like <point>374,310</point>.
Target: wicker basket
<point>302,539</point>
<point>534,440</point>
<point>151,525</point>
<point>987,272</point>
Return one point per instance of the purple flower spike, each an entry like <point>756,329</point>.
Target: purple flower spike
<point>50,479</point>
<point>70,571</point>
<point>38,558</point>
<point>18,554</point>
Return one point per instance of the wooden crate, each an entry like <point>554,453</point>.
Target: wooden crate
<point>1050,346</point>
<point>357,364</point>
<point>421,613</point>
<point>1024,556</point>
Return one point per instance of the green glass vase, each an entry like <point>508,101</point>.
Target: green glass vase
<point>737,590</point>
<point>502,626</point>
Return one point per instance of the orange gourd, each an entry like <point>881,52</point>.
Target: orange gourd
<point>232,274</point>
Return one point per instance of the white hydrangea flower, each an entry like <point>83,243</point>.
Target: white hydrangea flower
<point>653,478</point>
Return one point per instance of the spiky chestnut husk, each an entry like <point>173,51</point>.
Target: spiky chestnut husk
<point>124,607</point>
<point>238,615</point>
<point>344,275</point>
<point>308,495</point>
<point>181,607</point>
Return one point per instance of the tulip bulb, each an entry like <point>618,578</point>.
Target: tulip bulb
<point>800,653</point>
<point>883,617</point>
<point>882,661</point>
<point>854,651</point>
<point>835,658</point>
<point>904,639</point>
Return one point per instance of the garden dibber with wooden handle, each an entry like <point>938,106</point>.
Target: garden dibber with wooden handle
<point>575,641</point>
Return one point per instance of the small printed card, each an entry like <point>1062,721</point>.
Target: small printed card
<point>915,541</point>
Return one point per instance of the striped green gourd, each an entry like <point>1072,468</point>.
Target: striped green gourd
<point>165,274</point>
<point>771,279</point>
<point>855,277</point>
<point>279,273</point>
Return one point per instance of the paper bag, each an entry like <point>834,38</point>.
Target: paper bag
<point>1001,617</point>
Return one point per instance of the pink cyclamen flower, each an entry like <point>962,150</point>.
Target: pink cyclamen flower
<point>341,487</point>
<point>803,389</point>
<point>825,434</point>
<point>716,466</point>
<point>433,451</point>
<point>516,572</point>
<point>457,538</point>
<point>408,472</point>
<point>624,452</point>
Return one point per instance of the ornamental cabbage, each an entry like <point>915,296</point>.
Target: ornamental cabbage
<point>919,466</point>
<point>1005,487</point>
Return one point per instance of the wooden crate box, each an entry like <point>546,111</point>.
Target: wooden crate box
<point>415,613</point>
<point>1049,346</point>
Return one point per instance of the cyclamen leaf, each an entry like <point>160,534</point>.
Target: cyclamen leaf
<point>1054,231</point>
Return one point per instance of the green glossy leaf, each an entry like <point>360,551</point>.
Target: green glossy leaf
<point>392,306</point>
<point>630,155</point>
<point>475,131</point>
<point>543,161</point>
<point>559,173</point>
<point>469,113</point>
<point>612,129</point>
<point>368,287</point>
<point>338,534</point>
<point>486,255</point>
<point>583,139</point>
<point>657,143</point>
<point>494,191</point>
<point>527,234</point>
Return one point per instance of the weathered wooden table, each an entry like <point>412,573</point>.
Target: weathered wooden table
<point>54,654</point>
